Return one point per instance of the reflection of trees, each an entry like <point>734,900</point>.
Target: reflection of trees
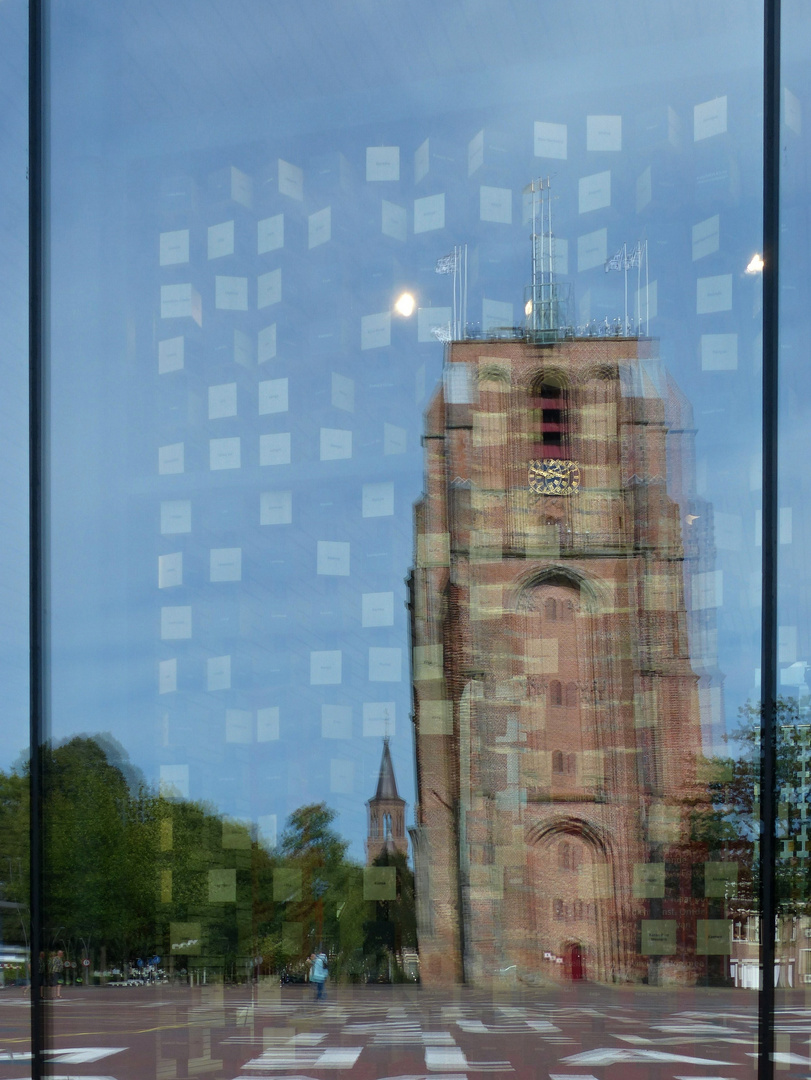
<point>731,826</point>
<point>123,865</point>
<point>391,927</point>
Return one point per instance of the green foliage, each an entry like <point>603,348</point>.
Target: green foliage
<point>124,865</point>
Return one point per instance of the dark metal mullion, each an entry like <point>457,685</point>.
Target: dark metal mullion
<point>37,359</point>
<point>768,667</point>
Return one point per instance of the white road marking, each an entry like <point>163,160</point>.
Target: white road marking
<point>613,1056</point>
<point>439,1058</point>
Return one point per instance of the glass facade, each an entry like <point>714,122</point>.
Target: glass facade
<point>398,561</point>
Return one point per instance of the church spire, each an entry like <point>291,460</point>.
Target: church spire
<point>386,813</point>
<point>386,784</point>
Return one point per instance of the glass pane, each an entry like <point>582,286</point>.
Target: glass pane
<point>793,947</point>
<point>14,823</point>
<point>405,472</point>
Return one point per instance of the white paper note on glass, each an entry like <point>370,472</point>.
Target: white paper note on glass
<point>594,192</point>
<point>378,719</point>
<point>218,673</point>
<point>174,247</point>
<point>224,453</point>
<point>325,668</point>
<point>335,444</point>
<point>266,344</point>
<point>719,352</point>
<point>429,213</point>
<point>375,330</point>
<point>394,220</point>
<point>273,396</point>
<point>377,500</point>
<point>496,204</point>
<point>170,459</point>
<point>706,237</point>
<point>225,564</point>
<point>343,392</point>
<point>174,781</point>
<point>222,401</point>
<point>270,234</point>
<point>230,293</point>
<point>238,726</point>
<point>291,180</point>
<point>710,118</point>
<point>170,355</point>
<point>382,163</point>
<point>430,319</point>
<point>276,508</point>
<point>377,609</point>
<point>394,439</point>
<point>274,449</point>
<point>319,227</point>
<point>592,249</point>
<point>268,724</point>
<point>170,570</point>
<point>336,722</point>
<point>341,776</point>
<point>221,240</point>
<point>332,558</point>
<point>167,676</point>
<point>604,133</point>
<point>714,294</point>
<point>175,623</point>
<point>175,516</point>
<point>385,665</point>
<point>269,288</point>
<point>551,140</point>
<point>421,162</point>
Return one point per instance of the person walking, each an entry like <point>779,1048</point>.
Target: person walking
<point>57,971</point>
<point>318,973</point>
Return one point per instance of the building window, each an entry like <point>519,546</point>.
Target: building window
<point>571,695</point>
<point>557,761</point>
<point>549,419</point>
<point>558,910</point>
<point>555,693</point>
<point>550,608</point>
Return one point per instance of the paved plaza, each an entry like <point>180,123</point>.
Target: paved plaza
<point>584,1032</point>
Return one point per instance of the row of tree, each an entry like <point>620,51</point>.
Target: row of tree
<point>130,873</point>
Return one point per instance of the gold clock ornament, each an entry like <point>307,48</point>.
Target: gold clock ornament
<point>554,476</point>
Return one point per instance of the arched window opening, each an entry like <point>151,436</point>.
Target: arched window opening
<point>375,829</point>
<point>558,909</point>
<point>557,761</point>
<point>571,764</point>
<point>387,826</point>
<point>550,608</point>
<point>555,693</point>
<point>565,856</point>
<point>549,419</point>
<point>571,695</point>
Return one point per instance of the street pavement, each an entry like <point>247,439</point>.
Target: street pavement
<point>576,1032</point>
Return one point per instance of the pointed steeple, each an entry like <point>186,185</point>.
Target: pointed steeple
<point>386,784</point>
<point>386,813</point>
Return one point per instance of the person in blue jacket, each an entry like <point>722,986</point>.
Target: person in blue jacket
<point>318,973</point>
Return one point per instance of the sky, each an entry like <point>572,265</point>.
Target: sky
<point>239,193</point>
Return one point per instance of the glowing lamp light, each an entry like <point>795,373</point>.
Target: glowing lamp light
<point>528,307</point>
<point>405,305</point>
<point>755,265</point>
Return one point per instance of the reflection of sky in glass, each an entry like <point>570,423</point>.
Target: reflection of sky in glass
<point>232,535</point>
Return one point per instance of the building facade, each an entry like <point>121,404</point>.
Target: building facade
<point>556,710</point>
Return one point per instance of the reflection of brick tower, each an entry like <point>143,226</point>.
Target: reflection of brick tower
<point>556,711</point>
<point>386,814</point>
